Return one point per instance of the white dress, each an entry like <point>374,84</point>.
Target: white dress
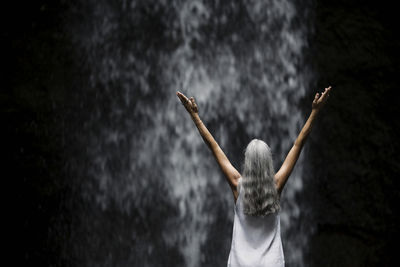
<point>256,241</point>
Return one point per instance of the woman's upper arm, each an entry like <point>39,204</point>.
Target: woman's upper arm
<point>231,174</point>
<point>287,167</point>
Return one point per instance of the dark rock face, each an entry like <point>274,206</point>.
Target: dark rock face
<point>352,151</point>
<point>351,170</point>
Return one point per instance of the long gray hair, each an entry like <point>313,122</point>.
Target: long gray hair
<point>260,195</point>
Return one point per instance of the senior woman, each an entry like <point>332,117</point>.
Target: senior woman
<point>256,236</point>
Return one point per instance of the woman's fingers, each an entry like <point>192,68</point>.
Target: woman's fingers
<point>189,104</point>
<point>316,97</point>
<point>194,105</point>
<point>328,89</point>
<point>182,97</point>
<point>325,94</point>
<point>320,99</point>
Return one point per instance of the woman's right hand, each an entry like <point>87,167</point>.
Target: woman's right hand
<point>320,99</point>
<point>188,103</point>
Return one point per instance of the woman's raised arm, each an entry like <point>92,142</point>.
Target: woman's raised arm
<point>231,174</point>
<point>284,172</point>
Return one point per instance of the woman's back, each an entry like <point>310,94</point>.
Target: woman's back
<point>256,241</point>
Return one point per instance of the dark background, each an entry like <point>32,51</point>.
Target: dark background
<point>353,149</point>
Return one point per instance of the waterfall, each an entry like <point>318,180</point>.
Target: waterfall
<point>151,192</point>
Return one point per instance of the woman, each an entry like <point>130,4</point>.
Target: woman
<point>256,239</point>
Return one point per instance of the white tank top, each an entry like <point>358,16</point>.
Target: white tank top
<point>256,241</point>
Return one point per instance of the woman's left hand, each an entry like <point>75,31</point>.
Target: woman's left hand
<point>319,100</point>
<point>189,103</point>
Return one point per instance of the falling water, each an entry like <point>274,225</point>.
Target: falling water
<point>151,193</point>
